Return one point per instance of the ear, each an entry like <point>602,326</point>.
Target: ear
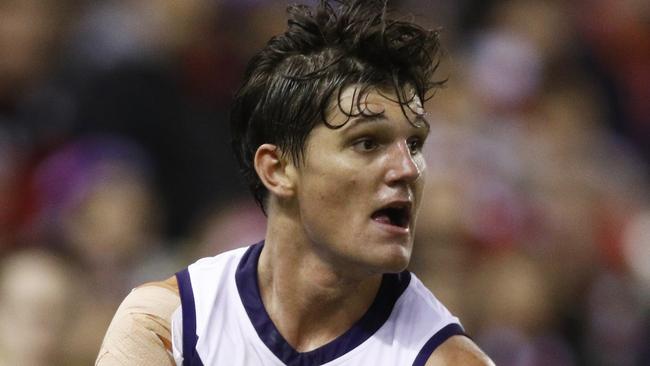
<point>274,170</point>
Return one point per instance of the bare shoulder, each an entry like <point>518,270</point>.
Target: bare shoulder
<point>140,332</point>
<point>169,284</point>
<point>459,350</point>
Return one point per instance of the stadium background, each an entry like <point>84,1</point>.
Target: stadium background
<point>115,168</point>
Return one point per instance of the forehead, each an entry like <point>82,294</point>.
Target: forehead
<point>355,101</point>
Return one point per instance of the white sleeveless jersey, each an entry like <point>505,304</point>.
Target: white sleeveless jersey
<point>222,321</point>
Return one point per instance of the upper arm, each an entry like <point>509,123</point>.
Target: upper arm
<point>459,350</point>
<point>140,332</point>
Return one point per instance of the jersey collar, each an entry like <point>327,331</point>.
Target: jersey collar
<point>391,288</point>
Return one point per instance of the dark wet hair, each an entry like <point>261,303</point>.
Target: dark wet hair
<point>289,85</point>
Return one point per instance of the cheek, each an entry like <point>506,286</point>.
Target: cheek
<point>418,187</point>
<point>329,181</point>
<point>421,163</point>
<point>331,198</point>
<point>330,191</point>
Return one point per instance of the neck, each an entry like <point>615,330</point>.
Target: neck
<point>330,299</point>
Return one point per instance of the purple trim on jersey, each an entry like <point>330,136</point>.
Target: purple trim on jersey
<point>392,287</point>
<point>190,356</point>
<point>436,340</point>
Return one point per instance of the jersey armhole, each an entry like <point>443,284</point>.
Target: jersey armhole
<point>436,340</point>
<point>188,311</point>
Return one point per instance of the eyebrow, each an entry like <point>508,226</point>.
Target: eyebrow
<point>419,121</point>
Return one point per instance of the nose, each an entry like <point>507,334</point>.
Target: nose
<point>402,166</point>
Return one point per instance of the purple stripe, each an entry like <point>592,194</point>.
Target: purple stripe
<point>436,340</point>
<point>392,287</point>
<point>190,357</point>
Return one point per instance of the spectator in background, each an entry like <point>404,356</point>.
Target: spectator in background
<point>38,292</point>
<point>35,107</point>
<point>165,83</point>
<point>95,203</point>
<point>227,229</point>
<point>11,192</point>
<point>616,40</point>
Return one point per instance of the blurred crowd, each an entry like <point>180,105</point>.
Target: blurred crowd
<point>115,167</point>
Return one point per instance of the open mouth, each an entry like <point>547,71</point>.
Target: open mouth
<point>397,215</point>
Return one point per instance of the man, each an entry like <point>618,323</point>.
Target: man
<point>328,128</point>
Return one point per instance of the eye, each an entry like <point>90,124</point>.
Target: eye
<point>415,145</point>
<point>365,144</point>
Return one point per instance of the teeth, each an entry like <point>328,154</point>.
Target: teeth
<point>396,216</point>
<point>384,219</point>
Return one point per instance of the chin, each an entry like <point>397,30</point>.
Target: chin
<point>397,266</point>
<point>395,260</point>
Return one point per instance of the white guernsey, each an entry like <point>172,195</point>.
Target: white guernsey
<point>223,321</point>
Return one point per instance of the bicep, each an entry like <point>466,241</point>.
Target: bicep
<point>459,350</point>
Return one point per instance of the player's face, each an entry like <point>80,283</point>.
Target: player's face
<point>360,185</point>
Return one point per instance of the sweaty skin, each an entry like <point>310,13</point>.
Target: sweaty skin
<point>140,333</point>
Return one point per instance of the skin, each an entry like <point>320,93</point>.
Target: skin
<point>323,241</point>
<point>348,174</point>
